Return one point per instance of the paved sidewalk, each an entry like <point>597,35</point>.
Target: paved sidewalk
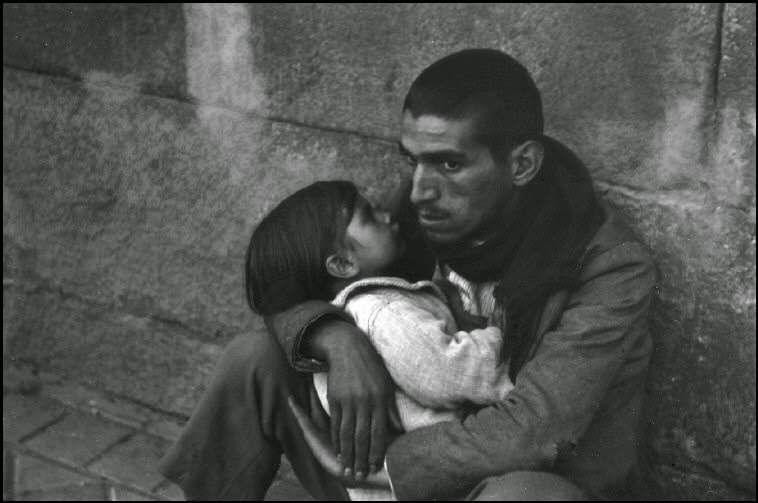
<point>62,441</point>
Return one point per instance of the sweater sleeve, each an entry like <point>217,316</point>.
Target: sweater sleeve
<point>290,326</point>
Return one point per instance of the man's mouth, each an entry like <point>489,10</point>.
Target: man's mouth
<point>430,218</point>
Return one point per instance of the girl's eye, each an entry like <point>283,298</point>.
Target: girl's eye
<point>409,160</point>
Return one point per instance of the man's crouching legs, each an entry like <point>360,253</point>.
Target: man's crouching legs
<point>231,447</point>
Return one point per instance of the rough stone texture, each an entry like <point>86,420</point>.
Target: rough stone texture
<point>702,385</point>
<point>349,66</point>
<point>165,428</point>
<point>64,458</point>
<point>136,47</point>
<point>703,375</point>
<point>155,199</point>
<point>89,491</point>
<point>36,411</point>
<point>134,462</point>
<point>117,410</point>
<point>732,167</point>
<point>9,474</point>
<point>99,346</point>
<point>78,438</point>
<point>141,144</point>
<point>36,475</point>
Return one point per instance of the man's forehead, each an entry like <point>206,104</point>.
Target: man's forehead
<point>433,131</point>
<point>432,124</point>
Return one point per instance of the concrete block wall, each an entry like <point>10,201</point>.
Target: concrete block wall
<point>141,144</point>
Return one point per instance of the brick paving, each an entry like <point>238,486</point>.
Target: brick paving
<point>65,442</point>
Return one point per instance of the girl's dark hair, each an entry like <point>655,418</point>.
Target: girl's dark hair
<point>486,83</point>
<point>286,257</point>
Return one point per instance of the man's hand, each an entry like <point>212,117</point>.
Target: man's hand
<point>318,441</point>
<point>361,396</point>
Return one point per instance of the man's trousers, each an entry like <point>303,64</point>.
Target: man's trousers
<point>232,445</point>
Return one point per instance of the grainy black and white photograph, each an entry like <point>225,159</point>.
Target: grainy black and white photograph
<point>392,251</point>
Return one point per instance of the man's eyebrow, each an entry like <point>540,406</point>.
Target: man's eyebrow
<point>434,155</point>
<point>444,155</point>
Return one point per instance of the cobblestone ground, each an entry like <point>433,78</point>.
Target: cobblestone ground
<point>65,442</point>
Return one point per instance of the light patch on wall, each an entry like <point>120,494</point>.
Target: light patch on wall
<point>222,78</point>
<point>679,142</point>
<point>110,88</point>
<point>734,161</point>
<point>679,200</point>
<point>219,57</point>
<point>17,218</point>
<point>135,322</point>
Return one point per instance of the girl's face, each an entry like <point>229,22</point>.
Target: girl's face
<point>373,239</point>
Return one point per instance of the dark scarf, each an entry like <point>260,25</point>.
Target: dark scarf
<point>536,251</point>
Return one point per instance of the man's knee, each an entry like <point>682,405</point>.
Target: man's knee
<point>534,486</point>
<point>253,353</point>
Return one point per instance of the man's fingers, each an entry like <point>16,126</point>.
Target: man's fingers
<point>335,422</point>
<point>361,442</point>
<point>347,435</point>
<point>378,439</point>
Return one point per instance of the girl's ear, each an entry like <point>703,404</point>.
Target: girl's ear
<point>342,266</point>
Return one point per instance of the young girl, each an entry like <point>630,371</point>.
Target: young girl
<point>327,242</point>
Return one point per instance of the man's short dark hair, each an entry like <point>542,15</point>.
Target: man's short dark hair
<point>486,83</point>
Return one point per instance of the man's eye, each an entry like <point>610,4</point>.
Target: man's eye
<point>410,160</point>
<point>451,165</point>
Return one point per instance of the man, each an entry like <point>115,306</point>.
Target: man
<point>513,222</point>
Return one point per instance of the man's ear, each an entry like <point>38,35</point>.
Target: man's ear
<point>526,162</point>
<point>341,266</point>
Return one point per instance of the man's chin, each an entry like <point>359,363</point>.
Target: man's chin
<point>400,249</point>
<point>439,237</point>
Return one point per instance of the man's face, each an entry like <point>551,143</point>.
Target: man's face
<point>457,184</point>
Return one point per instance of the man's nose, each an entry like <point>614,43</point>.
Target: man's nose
<point>424,185</point>
<point>383,216</point>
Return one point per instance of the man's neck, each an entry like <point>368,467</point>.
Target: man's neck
<point>501,219</point>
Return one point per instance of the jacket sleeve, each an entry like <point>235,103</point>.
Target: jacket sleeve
<point>290,326</point>
<point>556,393</point>
<point>437,368</point>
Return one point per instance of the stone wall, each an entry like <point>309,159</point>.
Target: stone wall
<point>141,144</point>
